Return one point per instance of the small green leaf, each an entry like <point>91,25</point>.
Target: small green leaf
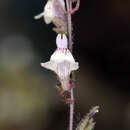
<point>87,123</point>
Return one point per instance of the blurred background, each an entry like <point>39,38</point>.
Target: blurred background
<point>28,97</point>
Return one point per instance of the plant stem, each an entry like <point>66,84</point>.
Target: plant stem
<point>71,111</point>
<point>69,7</point>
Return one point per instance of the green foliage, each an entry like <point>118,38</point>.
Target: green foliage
<point>87,123</point>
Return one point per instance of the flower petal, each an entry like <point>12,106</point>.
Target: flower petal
<point>61,41</point>
<point>74,66</point>
<point>49,65</point>
<point>63,69</point>
<point>62,4</point>
<point>39,15</point>
<point>61,55</point>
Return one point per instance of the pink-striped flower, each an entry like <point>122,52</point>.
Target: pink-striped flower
<point>62,62</point>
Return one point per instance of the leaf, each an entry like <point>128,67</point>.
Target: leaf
<point>87,123</point>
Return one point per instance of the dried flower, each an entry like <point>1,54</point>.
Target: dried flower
<point>55,12</point>
<point>62,62</point>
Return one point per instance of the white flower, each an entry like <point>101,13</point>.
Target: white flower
<point>50,10</point>
<point>62,62</point>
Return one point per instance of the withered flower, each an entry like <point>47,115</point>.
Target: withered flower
<point>55,12</point>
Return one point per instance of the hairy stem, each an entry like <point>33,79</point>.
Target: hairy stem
<point>71,111</point>
<point>69,7</point>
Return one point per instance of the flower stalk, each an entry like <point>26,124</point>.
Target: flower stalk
<point>69,23</point>
<point>69,29</point>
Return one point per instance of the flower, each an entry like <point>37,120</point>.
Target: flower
<point>55,12</point>
<point>62,62</point>
<point>48,12</point>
